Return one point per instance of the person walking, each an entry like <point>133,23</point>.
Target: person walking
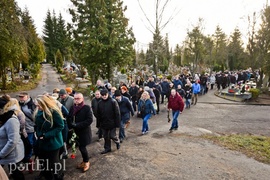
<point>28,107</point>
<point>66,99</point>
<point>176,104</point>
<point>133,90</point>
<point>94,105</point>
<point>196,89</point>
<point>108,113</point>
<point>125,110</point>
<point>146,109</point>
<point>11,144</point>
<point>49,125</point>
<point>80,119</point>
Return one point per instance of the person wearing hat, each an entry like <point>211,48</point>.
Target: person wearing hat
<point>11,144</point>
<point>108,113</point>
<point>66,99</point>
<point>69,91</point>
<point>28,107</point>
<point>125,110</point>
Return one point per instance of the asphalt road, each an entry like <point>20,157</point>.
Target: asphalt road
<point>178,155</point>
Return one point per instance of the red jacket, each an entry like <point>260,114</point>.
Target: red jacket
<point>176,103</point>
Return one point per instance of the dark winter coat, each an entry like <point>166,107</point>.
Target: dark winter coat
<point>94,105</point>
<point>165,86</point>
<point>148,106</point>
<point>109,114</point>
<point>133,93</point>
<point>83,119</point>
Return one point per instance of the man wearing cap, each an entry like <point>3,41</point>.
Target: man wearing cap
<point>28,107</point>
<point>109,115</point>
<point>125,110</point>
<point>65,99</point>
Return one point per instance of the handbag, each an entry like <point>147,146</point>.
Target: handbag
<point>155,106</point>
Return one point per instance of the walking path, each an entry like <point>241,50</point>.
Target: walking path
<point>178,155</point>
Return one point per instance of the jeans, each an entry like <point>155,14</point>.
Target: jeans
<point>175,115</point>
<point>124,119</point>
<point>109,134</point>
<point>145,126</point>
<point>187,102</point>
<point>32,139</point>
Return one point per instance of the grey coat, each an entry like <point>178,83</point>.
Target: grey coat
<point>11,145</point>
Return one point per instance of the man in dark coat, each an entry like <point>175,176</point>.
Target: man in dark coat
<point>80,119</point>
<point>165,86</point>
<point>94,104</point>
<point>133,90</point>
<point>108,113</point>
<point>125,110</point>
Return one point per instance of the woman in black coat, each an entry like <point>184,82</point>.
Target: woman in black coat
<point>80,119</point>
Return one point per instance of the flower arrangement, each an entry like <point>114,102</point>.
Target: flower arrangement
<point>92,89</point>
<point>73,147</point>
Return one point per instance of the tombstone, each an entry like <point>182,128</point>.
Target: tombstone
<point>122,78</point>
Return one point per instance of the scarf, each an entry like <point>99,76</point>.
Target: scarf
<point>77,108</point>
<point>5,117</point>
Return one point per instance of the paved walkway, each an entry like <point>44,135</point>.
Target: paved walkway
<point>178,155</point>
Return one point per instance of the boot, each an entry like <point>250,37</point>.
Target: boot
<point>81,165</point>
<point>86,166</point>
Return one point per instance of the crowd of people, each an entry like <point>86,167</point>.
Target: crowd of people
<point>42,127</point>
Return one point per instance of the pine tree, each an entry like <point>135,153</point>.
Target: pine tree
<point>102,37</point>
<point>36,53</point>
<point>13,47</point>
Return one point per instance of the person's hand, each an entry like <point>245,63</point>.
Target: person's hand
<point>73,125</point>
<point>41,137</point>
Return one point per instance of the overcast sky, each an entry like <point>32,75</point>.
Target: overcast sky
<point>228,14</point>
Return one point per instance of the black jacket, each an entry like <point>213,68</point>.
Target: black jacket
<point>108,113</point>
<point>83,120</point>
<point>94,105</point>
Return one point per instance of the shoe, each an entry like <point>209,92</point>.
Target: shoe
<point>127,124</point>
<point>121,140</point>
<point>81,165</point>
<point>106,151</point>
<point>117,146</point>
<point>86,166</point>
<point>143,133</point>
<point>171,130</point>
<point>100,139</point>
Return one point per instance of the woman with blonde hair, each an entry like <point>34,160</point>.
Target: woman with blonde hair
<point>146,109</point>
<point>49,125</point>
<point>13,104</point>
<point>11,145</point>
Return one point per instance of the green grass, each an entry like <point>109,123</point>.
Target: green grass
<point>257,147</point>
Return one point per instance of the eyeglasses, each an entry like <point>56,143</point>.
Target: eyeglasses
<point>77,98</point>
<point>103,94</point>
